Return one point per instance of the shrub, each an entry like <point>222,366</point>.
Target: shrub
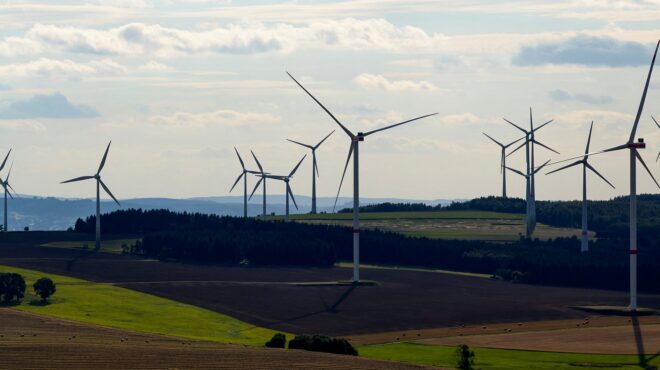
<point>464,357</point>
<point>12,287</point>
<point>277,341</point>
<point>44,287</point>
<point>321,343</point>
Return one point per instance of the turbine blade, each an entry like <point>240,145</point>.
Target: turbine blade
<point>502,161</point>
<point>516,126</point>
<point>109,193</point>
<point>5,161</point>
<point>256,187</point>
<point>239,159</point>
<point>565,167</point>
<point>12,188</point>
<point>237,180</point>
<point>316,167</point>
<point>513,142</point>
<point>656,122</point>
<point>256,160</point>
<point>618,147</point>
<point>545,146</point>
<point>540,127</point>
<point>299,143</point>
<point>541,166</point>
<point>589,140</point>
<point>641,102</point>
<point>398,124</point>
<point>322,106</point>
<point>348,159</point>
<point>78,179</point>
<point>9,173</point>
<point>496,142</point>
<point>105,155</point>
<point>324,139</point>
<point>298,165</point>
<point>517,148</point>
<point>658,157</point>
<point>288,189</point>
<point>516,171</point>
<point>646,167</point>
<point>9,193</point>
<point>599,175</point>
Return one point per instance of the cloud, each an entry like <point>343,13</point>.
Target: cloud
<point>30,126</point>
<point>154,67</point>
<point>52,68</point>
<point>371,81</point>
<point>222,118</point>
<point>604,117</point>
<point>47,106</point>
<point>562,95</point>
<point>600,51</point>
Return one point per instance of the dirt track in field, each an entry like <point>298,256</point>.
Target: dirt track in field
<point>402,300</point>
<point>29,341</point>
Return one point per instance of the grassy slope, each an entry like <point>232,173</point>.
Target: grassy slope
<point>117,307</point>
<point>408,215</point>
<point>500,359</point>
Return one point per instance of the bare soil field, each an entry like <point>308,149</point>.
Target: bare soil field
<point>30,341</point>
<point>268,297</point>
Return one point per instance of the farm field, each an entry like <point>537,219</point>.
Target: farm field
<point>269,297</point>
<point>41,342</point>
<point>470,225</point>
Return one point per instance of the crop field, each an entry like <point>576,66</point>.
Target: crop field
<point>29,341</point>
<point>108,246</point>
<point>471,225</point>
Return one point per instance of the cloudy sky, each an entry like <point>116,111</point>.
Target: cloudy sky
<point>176,84</point>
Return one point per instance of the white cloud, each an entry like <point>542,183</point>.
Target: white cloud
<point>222,118</point>
<point>24,126</point>
<point>371,81</point>
<point>153,66</point>
<point>52,68</point>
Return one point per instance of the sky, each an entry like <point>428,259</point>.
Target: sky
<point>176,85</point>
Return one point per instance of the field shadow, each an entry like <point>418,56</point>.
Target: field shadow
<point>84,254</point>
<point>39,303</point>
<point>644,360</point>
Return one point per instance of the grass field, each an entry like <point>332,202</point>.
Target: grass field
<point>108,246</point>
<point>108,305</point>
<point>502,359</point>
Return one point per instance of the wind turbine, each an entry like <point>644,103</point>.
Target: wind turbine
<point>288,191</point>
<point>5,185</point>
<point>584,246</point>
<point>503,160</point>
<point>634,157</point>
<point>528,175</point>
<point>529,158</point>
<point>262,176</point>
<point>244,176</point>
<point>315,167</point>
<point>353,149</point>
<point>99,184</point>
<point>657,124</point>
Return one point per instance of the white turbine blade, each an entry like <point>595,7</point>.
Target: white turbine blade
<point>105,155</point>
<point>316,167</point>
<point>397,124</point>
<point>565,167</point>
<point>348,159</point>
<point>545,146</point>
<point>516,126</point>
<point>618,147</point>
<point>646,167</point>
<point>256,160</point>
<point>349,133</point>
<point>12,188</point>
<point>239,159</point>
<point>538,128</point>
<point>5,161</point>
<point>299,143</point>
<point>109,193</point>
<point>541,166</point>
<point>641,102</point>
<point>9,173</point>
<point>237,180</point>
<point>513,142</point>
<point>599,175</point>
<point>298,165</point>
<point>288,188</point>
<point>591,128</point>
<point>256,187</point>
<point>81,178</point>
<point>9,193</point>
<point>324,139</point>
<point>516,171</point>
<point>517,148</point>
<point>496,142</point>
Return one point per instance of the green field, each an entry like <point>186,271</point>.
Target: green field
<point>108,305</point>
<point>407,215</point>
<point>108,246</point>
<point>502,359</point>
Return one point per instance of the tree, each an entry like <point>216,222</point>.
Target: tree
<point>12,288</point>
<point>44,287</point>
<point>26,228</point>
<point>464,357</point>
<point>277,341</point>
<point>322,343</point>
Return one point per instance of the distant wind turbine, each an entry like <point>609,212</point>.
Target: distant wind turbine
<point>634,157</point>
<point>99,184</point>
<point>244,176</point>
<point>584,246</point>
<point>315,167</point>
<point>5,184</point>
<point>288,191</point>
<point>262,178</point>
<point>503,160</point>
<point>353,150</point>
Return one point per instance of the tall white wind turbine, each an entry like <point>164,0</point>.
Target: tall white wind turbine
<point>634,147</point>
<point>99,184</point>
<point>288,191</point>
<point>528,175</point>
<point>262,179</point>
<point>315,167</point>
<point>503,160</point>
<point>584,246</point>
<point>353,150</point>
<point>244,176</point>
<point>2,166</point>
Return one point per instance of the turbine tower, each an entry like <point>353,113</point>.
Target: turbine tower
<point>584,246</point>
<point>530,140</point>
<point>503,160</point>
<point>262,178</point>
<point>315,167</point>
<point>99,184</point>
<point>244,176</point>
<point>5,184</point>
<point>288,191</point>
<point>527,176</point>
<point>634,147</point>
<point>353,150</point>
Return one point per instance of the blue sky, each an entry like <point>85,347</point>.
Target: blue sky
<point>177,84</point>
